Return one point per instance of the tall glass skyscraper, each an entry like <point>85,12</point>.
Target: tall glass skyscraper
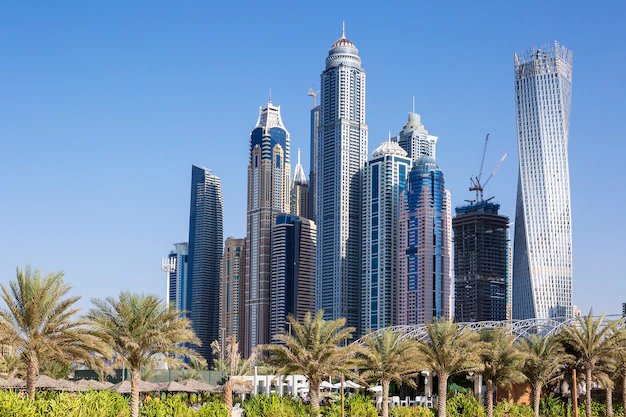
<point>384,179</point>
<point>206,238</point>
<point>231,290</point>
<point>177,268</point>
<point>293,270</point>
<point>269,185</point>
<point>542,263</point>
<point>300,192</point>
<point>341,156</point>
<point>415,140</point>
<point>425,282</point>
<point>315,127</point>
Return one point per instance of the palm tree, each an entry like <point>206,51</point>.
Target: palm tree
<point>234,367</point>
<point>12,365</point>
<point>619,356</point>
<point>591,341</point>
<point>312,349</point>
<point>449,350</point>
<point>385,356</point>
<point>138,327</point>
<point>38,323</point>
<point>545,360</point>
<point>501,361</point>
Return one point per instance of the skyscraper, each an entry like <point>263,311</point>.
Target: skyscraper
<point>293,270</point>
<point>177,268</point>
<point>542,264</point>
<point>415,140</point>
<point>425,285</point>
<point>480,263</point>
<point>231,289</point>
<point>300,192</point>
<point>342,154</point>
<point>268,194</point>
<point>315,126</point>
<point>205,253</point>
<point>384,179</point>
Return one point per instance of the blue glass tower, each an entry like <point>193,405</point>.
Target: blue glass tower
<point>425,246</point>
<point>205,253</point>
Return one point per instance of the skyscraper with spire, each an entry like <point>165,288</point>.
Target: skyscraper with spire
<point>268,194</point>
<point>342,154</point>
<point>542,263</point>
<point>300,192</point>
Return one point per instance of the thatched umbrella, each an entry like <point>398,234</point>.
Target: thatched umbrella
<point>12,383</point>
<point>87,384</point>
<point>174,386</point>
<point>200,386</point>
<point>124,387</point>
<point>237,389</point>
<point>44,382</point>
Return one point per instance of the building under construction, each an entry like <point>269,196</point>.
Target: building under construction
<point>480,262</point>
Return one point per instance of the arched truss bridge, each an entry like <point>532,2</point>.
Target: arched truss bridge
<point>520,328</point>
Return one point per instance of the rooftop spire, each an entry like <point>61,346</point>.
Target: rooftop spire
<point>270,99</point>
<point>298,156</point>
<point>413,108</point>
<point>389,140</point>
<point>343,29</point>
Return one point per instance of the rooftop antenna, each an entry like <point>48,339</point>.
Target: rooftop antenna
<point>476,185</point>
<point>270,100</point>
<point>390,136</point>
<point>343,28</point>
<point>314,95</point>
<point>413,108</point>
<point>298,156</point>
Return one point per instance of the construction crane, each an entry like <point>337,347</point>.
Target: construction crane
<point>475,181</point>
<point>314,95</point>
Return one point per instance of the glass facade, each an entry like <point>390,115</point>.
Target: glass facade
<point>205,252</point>
<point>269,184</point>
<point>341,156</point>
<point>384,180</point>
<point>425,246</point>
<point>542,262</point>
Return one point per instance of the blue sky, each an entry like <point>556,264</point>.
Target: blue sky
<point>105,105</point>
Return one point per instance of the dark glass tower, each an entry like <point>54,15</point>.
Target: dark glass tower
<point>293,270</point>
<point>205,252</point>
<point>480,263</point>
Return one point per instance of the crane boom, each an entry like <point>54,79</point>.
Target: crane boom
<point>495,169</point>
<point>482,161</point>
<point>314,95</point>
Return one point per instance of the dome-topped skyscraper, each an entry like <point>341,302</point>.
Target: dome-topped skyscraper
<point>341,155</point>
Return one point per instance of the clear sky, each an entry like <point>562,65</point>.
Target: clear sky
<point>104,106</point>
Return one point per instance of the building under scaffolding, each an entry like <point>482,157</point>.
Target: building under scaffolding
<point>480,263</point>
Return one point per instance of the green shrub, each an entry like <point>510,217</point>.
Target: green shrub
<point>274,406</point>
<point>552,406</point>
<point>411,412</point>
<point>357,406</point>
<point>507,408</point>
<point>464,405</point>
<point>213,409</point>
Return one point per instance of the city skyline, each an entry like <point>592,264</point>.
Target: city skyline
<point>160,210</point>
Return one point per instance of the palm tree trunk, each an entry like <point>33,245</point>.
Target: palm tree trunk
<point>135,377</point>
<point>314,390</point>
<point>385,404</point>
<point>443,393</point>
<point>609,401</point>
<point>32,368</point>
<point>489,398</point>
<point>624,387</point>
<point>228,395</point>
<point>588,391</point>
<point>536,399</point>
